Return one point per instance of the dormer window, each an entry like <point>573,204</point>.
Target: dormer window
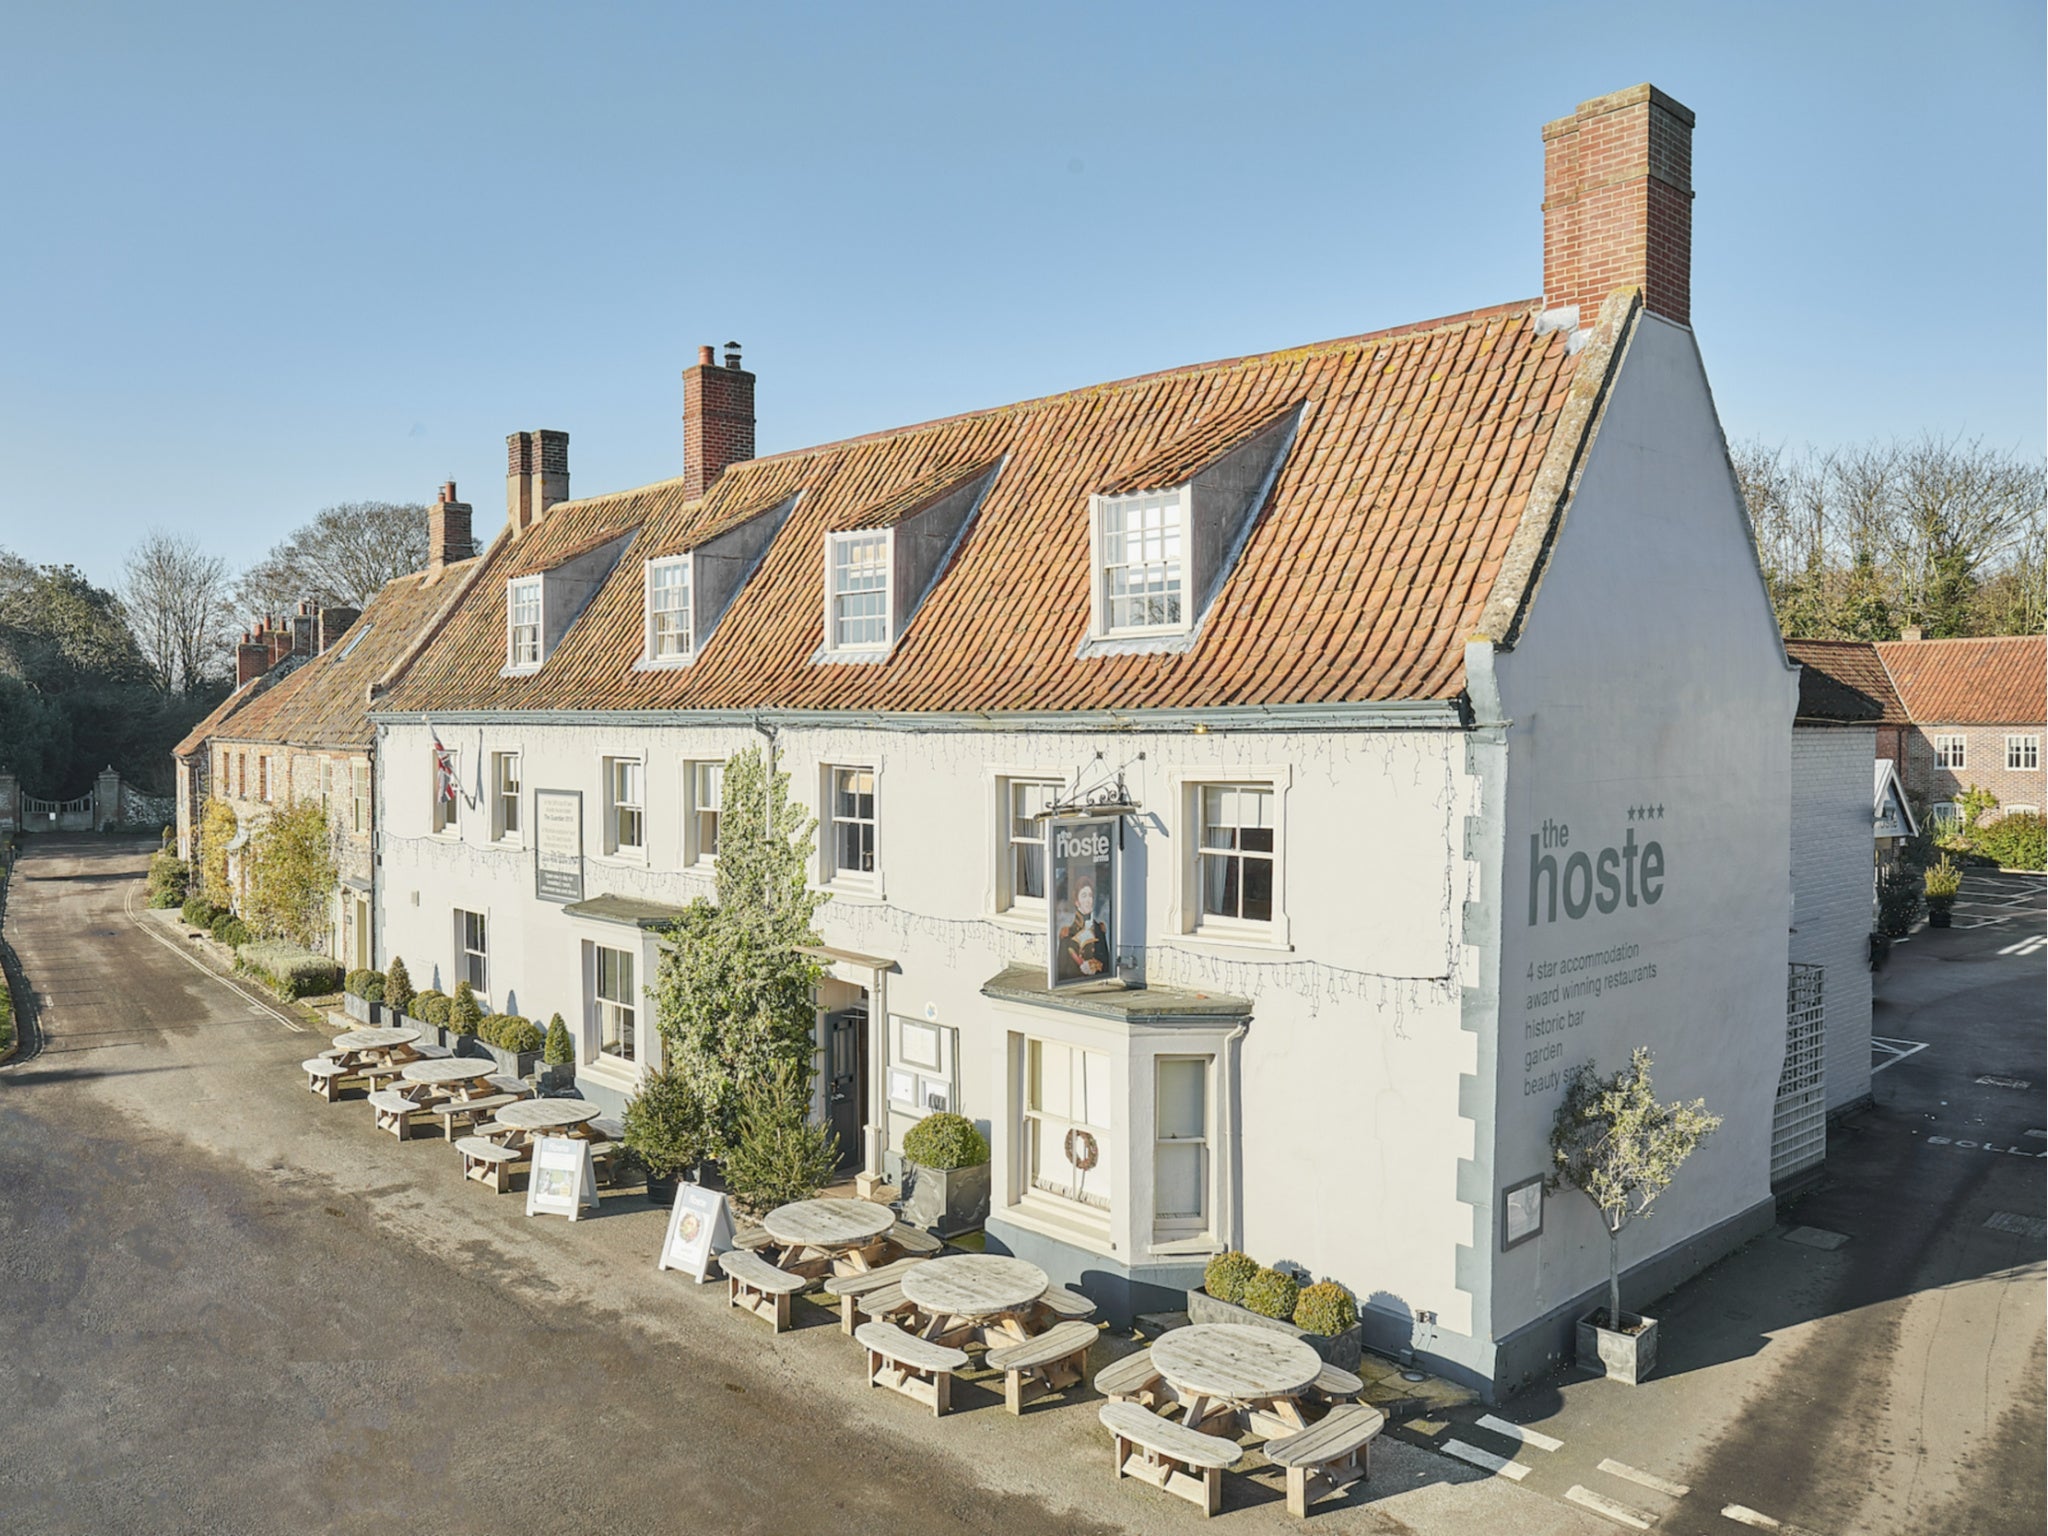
<point>522,623</point>
<point>857,591</point>
<point>669,637</point>
<point>1143,571</point>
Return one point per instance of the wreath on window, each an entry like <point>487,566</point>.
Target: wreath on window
<point>1081,1149</point>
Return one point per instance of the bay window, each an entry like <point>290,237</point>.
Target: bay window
<point>1180,1147</point>
<point>1067,1140</point>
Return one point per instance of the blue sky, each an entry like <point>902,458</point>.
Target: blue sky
<point>265,258</point>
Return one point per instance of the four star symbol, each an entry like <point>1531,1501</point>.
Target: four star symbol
<point>1646,813</point>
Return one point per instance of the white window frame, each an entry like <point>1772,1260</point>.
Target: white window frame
<point>359,796</point>
<point>1205,856</point>
<point>1180,1226</point>
<point>1008,844</point>
<point>1185,915</point>
<point>2022,754</point>
<point>1947,815</point>
<point>1036,1123</point>
<point>686,651</point>
<point>266,788</point>
<point>1952,752</point>
<point>515,659</point>
<point>1101,508</point>
<point>834,543</point>
<point>473,965</point>
<point>447,813</point>
<point>837,875</point>
<point>694,851</point>
<point>607,1011</point>
<point>614,843</point>
<point>507,813</point>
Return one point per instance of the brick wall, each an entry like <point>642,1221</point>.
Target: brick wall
<point>1832,875</point>
<point>1983,765</point>
<point>718,420</point>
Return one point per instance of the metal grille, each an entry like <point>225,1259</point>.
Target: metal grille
<point>1799,1129</point>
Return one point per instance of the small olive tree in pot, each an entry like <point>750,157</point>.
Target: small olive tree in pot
<point>1618,1146</point>
<point>665,1131</point>
<point>945,1175</point>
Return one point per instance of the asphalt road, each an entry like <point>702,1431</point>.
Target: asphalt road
<point>1891,1380</point>
<point>226,1307</point>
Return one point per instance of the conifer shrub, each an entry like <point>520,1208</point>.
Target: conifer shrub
<point>464,1011</point>
<point>780,1154</point>
<point>398,992</point>
<point>1226,1275</point>
<point>1325,1308</point>
<point>1271,1293</point>
<point>664,1124</point>
<point>558,1050</point>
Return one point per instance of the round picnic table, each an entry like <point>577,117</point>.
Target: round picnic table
<point>1219,1367</point>
<point>451,1073</point>
<point>374,1039</point>
<point>819,1232</point>
<point>974,1293</point>
<point>537,1116</point>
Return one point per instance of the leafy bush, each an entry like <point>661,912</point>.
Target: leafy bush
<point>357,983</point>
<point>292,873</point>
<point>1943,881</point>
<point>287,970</point>
<point>1227,1273</point>
<point>664,1124</point>
<point>1325,1308</point>
<point>398,990</point>
<point>2018,840</point>
<point>169,878</point>
<point>1898,899</point>
<point>559,1050</point>
<point>373,989</point>
<point>429,1007</point>
<point>508,1032</point>
<point>780,1154</point>
<point>6,1015</point>
<point>198,912</point>
<point>1271,1293</point>
<point>943,1142</point>
<point>464,1011</point>
<point>230,930</point>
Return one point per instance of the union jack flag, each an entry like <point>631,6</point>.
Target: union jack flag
<point>444,770</point>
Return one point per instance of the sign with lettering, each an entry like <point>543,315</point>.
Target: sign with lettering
<point>699,1229</point>
<point>563,1181</point>
<point>1080,857</point>
<point>558,844</point>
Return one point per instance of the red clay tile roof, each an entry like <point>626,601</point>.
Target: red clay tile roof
<point>1364,576</point>
<point>1971,682</point>
<point>324,701</point>
<point>1843,681</point>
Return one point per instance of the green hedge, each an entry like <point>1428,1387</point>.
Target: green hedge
<point>198,912</point>
<point>2017,840</point>
<point>6,1015</point>
<point>287,970</point>
<point>429,1007</point>
<point>509,1032</point>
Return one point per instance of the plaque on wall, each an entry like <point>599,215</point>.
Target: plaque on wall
<point>558,844</point>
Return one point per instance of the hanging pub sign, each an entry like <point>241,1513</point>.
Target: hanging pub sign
<point>1081,854</point>
<point>558,844</point>
<point>699,1229</point>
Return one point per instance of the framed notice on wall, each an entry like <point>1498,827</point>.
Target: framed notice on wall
<point>558,844</point>
<point>1081,852</point>
<point>1521,1212</point>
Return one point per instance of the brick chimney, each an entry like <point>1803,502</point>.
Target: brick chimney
<point>333,623</point>
<point>304,635</point>
<point>448,537</point>
<point>252,659</point>
<point>1617,204</point>
<point>536,476</point>
<point>718,418</point>
<point>1913,632</point>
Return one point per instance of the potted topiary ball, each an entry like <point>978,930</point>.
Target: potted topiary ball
<point>1272,1293</point>
<point>1325,1310</point>
<point>1236,1289</point>
<point>558,1058</point>
<point>945,1175</point>
<point>429,1015</point>
<point>1226,1274</point>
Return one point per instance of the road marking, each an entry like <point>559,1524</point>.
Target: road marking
<point>1649,1480</point>
<point>1993,1080</point>
<point>1744,1516</point>
<point>2027,946</point>
<point>1500,1466</point>
<point>1896,1051</point>
<point>1520,1432</point>
<point>204,969</point>
<point>1816,1237</point>
<point>2039,1135</point>
<point>1981,1146</point>
<point>2016,1224</point>
<point>1621,1514</point>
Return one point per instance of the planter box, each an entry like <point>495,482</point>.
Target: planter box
<point>430,1034</point>
<point>558,1080</point>
<point>1624,1357</point>
<point>948,1201</point>
<point>361,1009</point>
<point>1342,1350</point>
<point>512,1063</point>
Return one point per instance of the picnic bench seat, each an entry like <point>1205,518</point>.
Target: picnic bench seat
<point>377,1073</point>
<point>754,1285</point>
<point>1328,1455</point>
<point>605,1158</point>
<point>431,1053</point>
<point>448,1111</point>
<point>1061,1302</point>
<point>325,1076</point>
<point>918,1368</point>
<point>1336,1384</point>
<point>1133,1379</point>
<point>753,1239</point>
<point>1047,1362</point>
<point>854,1290</point>
<point>913,1241</point>
<point>394,1112</point>
<point>489,1162</point>
<point>1171,1457</point>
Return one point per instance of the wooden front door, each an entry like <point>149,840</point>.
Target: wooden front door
<point>846,1079</point>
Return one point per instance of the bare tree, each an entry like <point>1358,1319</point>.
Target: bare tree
<point>342,557</point>
<point>1960,508</point>
<point>176,597</point>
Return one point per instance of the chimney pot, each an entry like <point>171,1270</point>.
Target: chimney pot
<point>1617,204</point>
<point>1912,632</point>
<point>706,356</point>
<point>732,354</point>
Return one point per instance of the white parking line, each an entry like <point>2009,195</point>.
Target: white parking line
<point>1897,1051</point>
<point>1648,1480</point>
<point>1744,1516</point>
<point>1621,1514</point>
<point>1500,1466</point>
<point>1520,1432</point>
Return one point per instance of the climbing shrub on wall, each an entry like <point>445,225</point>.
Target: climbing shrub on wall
<point>292,875</point>
<point>216,831</point>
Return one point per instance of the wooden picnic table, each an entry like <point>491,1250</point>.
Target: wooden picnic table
<point>356,1041</point>
<point>815,1234</point>
<point>457,1077</point>
<point>1258,1373</point>
<point>538,1116</point>
<point>976,1295</point>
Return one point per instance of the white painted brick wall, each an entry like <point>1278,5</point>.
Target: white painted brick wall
<point>1832,854</point>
